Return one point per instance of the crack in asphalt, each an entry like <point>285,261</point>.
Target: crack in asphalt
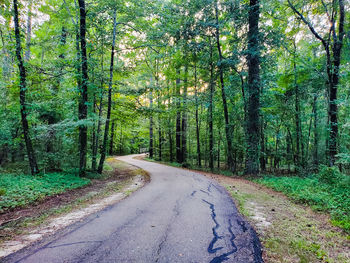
<point>193,193</point>
<point>167,230</point>
<point>76,243</point>
<point>211,249</point>
<point>204,192</point>
<point>209,187</point>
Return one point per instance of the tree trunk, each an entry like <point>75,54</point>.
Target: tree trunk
<point>111,152</point>
<point>22,95</point>
<point>262,143</point>
<point>83,91</point>
<point>29,32</point>
<point>109,107</point>
<point>298,128</point>
<point>178,119</point>
<point>184,119</point>
<point>228,128</point>
<point>199,157</point>
<point>253,58</point>
<point>151,146</point>
<point>333,46</point>
<point>210,121</point>
<point>316,139</point>
<point>99,123</point>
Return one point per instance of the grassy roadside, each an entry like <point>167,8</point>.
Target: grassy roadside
<point>21,190</point>
<point>22,220</point>
<point>291,230</point>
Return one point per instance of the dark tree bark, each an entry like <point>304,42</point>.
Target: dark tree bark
<point>210,111</point>
<point>170,127</point>
<point>160,136</point>
<point>332,44</point>
<point>228,128</point>
<point>253,122</point>
<point>83,89</point>
<point>151,146</point>
<point>178,119</point>
<point>262,144</point>
<point>29,32</point>
<point>99,123</point>
<point>316,139</point>
<point>298,128</point>
<point>22,95</point>
<point>109,107</point>
<point>199,157</point>
<point>111,142</point>
<point>184,119</point>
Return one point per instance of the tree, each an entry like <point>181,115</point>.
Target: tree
<point>332,43</point>
<point>105,138</point>
<point>22,95</point>
<point>83,90</point>
<point>253,58</point>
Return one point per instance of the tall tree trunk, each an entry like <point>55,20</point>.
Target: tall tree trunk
<point>218,150</point>
<point>262,144</point>
<point>29,32</point>
<point>151,146</point>
<point>22,95</point>
<point>316,139</point>
<point>289,148</point>
<point>178,119</point>
<point>228,128</point>
<point>99,123</point>
<point>111,152</point>
<point>199,157</point>
<point>333,47</point>
<point>109,107</point>
<point>121,140</point>
<point>83,91</point>
<point>210,121</point>
<point>170,128</point>
<point>298,128</point>
<point>253,58</point>
<point>184,118</point>
<point>334,82</point>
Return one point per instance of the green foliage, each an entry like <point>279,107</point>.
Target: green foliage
<point>22,190</point>
<point>329,175</point>
<point>327,191</point>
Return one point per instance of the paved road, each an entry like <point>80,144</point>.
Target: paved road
<point>180,216</point>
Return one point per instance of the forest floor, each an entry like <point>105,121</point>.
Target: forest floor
<point>289,232</point>
<point>25,225</point>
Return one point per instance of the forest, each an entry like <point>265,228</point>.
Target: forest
<point>236,86</point>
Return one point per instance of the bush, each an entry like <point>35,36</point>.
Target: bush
<point>329,175</point>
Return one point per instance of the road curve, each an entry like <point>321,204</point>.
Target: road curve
<point>180,216</point>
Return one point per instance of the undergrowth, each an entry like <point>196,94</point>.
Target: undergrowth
<point>328,191</point>
<point>21,190</point>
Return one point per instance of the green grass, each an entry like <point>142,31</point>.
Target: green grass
<point>327,191</point>
<point>21,190</point>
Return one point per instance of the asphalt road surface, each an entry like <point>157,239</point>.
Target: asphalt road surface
<point>180,216</point>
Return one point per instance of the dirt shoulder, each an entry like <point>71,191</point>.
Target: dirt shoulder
<point>23,226</point>
<point>289,232</point>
